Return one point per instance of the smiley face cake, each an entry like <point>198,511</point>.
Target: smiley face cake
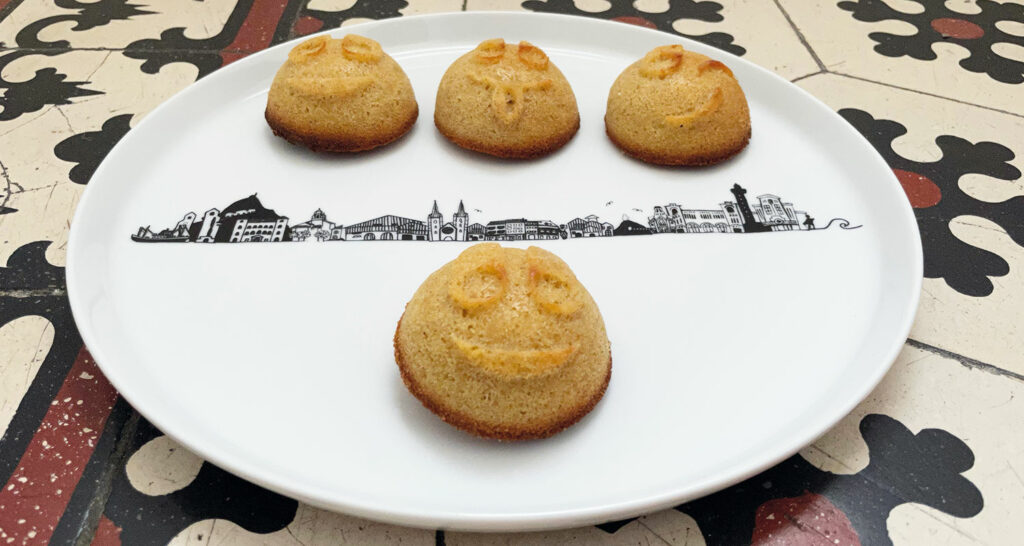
<point>504,343</point>
<point>506,100</point>
<point>342,95</point>
<point>677,107</point>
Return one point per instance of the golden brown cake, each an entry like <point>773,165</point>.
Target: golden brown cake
<point>504,343</point>
<point>676,107</point>
<point>506,100</point>
<point>342,95</point>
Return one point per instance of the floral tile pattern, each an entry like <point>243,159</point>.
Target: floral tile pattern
<point>932,456</point>
<point>964,50</point>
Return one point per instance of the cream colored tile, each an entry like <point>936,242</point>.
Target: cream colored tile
<point>162,466</point>
<point>198,19</point>
<point>760,28</point>
<point>676,528</point>
<point>755,25</point>
<point>923,391</point>
<point>844,46</point>
<point>420,7</point>
<point>24,343</point>
<point>311,527</point>
<point>44,195</point>
<point>632,533</point>
<point>984,328</point>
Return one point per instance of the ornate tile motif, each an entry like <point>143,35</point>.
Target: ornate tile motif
<point>965,183</point>
<point>919,392</point>
<point>979,33</point>
<point>968,51</point>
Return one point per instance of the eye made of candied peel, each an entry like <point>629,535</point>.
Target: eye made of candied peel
<point>358,48</point>
<point>662,61</point>
<point>555,291</point>
<point>478,286</point>
<point>713,102</point>
<point>309,49</point>
<point>490,51</point>
<point>712,64</point>
<point>532,56</point>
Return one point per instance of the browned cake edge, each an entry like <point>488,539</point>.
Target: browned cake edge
<point>483,430</point>
<point>531,151</point>
<point>323,142</point>
<point>698,160</point>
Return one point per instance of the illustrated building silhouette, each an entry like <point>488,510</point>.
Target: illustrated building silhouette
<point>247,220</point>
<point>456,230</point>
<point>317,226</point>
<point>750,224</point>
<point>629,227</point>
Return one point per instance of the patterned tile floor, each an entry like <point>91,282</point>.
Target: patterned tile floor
<point>933,456</point>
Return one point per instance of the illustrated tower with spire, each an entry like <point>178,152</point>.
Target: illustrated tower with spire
<point>461,221</point>
<point>750,223</point>
<point>434,221</point>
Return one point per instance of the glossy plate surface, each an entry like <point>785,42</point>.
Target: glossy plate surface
<point>731,351</point>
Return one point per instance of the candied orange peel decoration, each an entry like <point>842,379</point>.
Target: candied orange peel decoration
<point>358,48</point>
<point>713,102</point>
<point>712,64</point>
<point>662,61</point>
<point>507,97</point>
<point>516,362</point>
<point>532,56</point>
<point>490,51</point>
<point>457,284</point>
<point>309,49</point>
<point>556,291</point>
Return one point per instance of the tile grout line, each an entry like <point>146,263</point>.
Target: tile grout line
<point>901,88</point>
<point>640,521</point>
<point>116,460</point>
<point>800,36</point>
<point>805,76</point>
<point>965,361</point>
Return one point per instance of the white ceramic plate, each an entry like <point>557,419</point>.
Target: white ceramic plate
<point>731,351</point>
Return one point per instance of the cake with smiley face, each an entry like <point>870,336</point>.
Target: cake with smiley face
<point>342,95</point>
<point>504,343</point>
<point>677,107</point>
<point>506,100</point>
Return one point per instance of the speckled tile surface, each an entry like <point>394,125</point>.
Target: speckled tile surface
<point>933,456</point>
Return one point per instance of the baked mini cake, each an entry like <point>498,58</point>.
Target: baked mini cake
<point>506,100</point>
<point>676,107</point>
<point>342,95</point>
<point>504,343</point>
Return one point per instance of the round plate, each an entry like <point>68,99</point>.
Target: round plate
<point>732,349</point>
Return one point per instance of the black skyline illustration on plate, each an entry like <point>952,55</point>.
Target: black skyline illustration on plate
<point>248,221</point>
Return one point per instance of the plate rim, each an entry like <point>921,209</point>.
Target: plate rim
<point>496,522</point>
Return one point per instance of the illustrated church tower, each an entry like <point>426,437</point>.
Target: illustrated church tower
<point>750,224</point>
<point>434,221</point>
<point>461,221</point>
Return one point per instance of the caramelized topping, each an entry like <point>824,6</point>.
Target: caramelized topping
<point>712,64</point>
<point>532,56</point>
<point>519,363</point>
<point>686,119</point>
<point>309,49</point>
<point>490,51</point>
<point>662,61</point>
<point>358,48</point>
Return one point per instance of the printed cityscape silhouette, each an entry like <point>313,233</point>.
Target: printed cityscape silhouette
<point>248,221</point>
